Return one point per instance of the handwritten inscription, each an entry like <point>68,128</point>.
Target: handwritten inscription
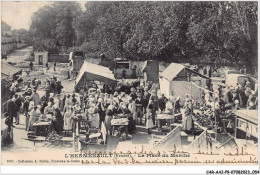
<point>144,157</point>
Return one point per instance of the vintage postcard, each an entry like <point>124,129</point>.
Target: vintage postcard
<point>129,83</point>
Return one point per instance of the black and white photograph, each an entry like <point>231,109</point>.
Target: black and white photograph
<point>129,83</point>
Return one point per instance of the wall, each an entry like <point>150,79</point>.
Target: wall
<point>139,65</point>
<point>8,47</point>
<point>59,58</point>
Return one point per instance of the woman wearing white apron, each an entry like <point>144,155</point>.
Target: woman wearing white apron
<point>149,122</point>
<point>34,116</point>
<point>93,116</point>
<point>67,119</point>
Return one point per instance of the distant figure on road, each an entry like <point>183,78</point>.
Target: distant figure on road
<point>5,57</point>
<point>31,66</point>
<point>47,66</point>
<point>54,66</point>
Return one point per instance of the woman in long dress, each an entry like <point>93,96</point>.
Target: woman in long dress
<point>187,118</point>
<point>68,119</point>
<point>108,118</point>
<point>93,116</point>
<point>34,116</point>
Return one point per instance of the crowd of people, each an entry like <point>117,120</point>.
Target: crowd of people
<point>216,106</point>
<point>24,97</point>
<point>137,101</point>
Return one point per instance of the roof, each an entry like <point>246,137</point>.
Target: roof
<point>40,49</point>
<point>174,69</point>
<point>9,70</point>
<point>150,63</point>
<point>95,72</point>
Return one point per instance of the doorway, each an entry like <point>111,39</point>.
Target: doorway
<point>40,57</point>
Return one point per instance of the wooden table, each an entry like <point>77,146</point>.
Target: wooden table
<point>43,124</point>
<point>164,117</point>
<point>120,122</point>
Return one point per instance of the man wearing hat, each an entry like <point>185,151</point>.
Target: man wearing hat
<point>28,92</point>
<point>11,107</point>
<point>18,103</point>
<point>59,87</point>
<point>162,102</point>
<point>35,97</point>
<point>133,93</point>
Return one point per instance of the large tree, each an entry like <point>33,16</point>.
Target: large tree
<point>53,25</point>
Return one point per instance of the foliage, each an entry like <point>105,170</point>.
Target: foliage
<point>52,25</point>
<point>222,32</point>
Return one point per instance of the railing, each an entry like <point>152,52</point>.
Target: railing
<point>199,143</point>
<point>173,135</point>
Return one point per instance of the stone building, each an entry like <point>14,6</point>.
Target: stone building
<point>41,56</point>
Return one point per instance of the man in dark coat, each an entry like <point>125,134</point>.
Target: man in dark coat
<point>18,103</point>
<point>146,98</point>
<point>162,102</point>
<point>11,108</point>
<point>31,66</point>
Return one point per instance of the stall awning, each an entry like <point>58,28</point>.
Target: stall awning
<point>144,66</point>
<point>96,73</point>
<point>249,115</point>
<point>10,70</point>
<point>174,69</point>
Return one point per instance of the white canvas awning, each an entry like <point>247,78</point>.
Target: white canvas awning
<point>10,70</point>
<point>96,73</point>
<point>172,71</point>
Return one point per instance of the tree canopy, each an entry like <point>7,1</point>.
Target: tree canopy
<point>222,32</point>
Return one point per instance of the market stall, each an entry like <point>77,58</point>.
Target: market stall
<point>92,72</point>
<point>176,80</point>
<point>246,124</point>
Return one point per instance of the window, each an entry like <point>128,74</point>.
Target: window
<point>78,53</point>
<point>122,65</point>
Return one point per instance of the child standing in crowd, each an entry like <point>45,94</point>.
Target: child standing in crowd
<point>149,121</point>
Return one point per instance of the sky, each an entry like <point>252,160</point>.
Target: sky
<point>17,14</point>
